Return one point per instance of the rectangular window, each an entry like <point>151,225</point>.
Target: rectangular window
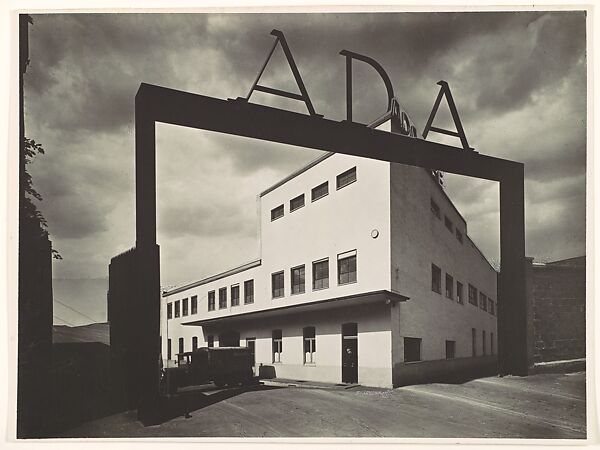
<point>276,213</point>
<point>492,349</point>
<point>483,341</point>
<point>277,284</point>
<point>298,280</point>
<point>435,209</point>
<point>194,343</point>
<point>235,295</point>
<point>222,298</point>
<point>436,279</point>
<point>491,307</point>
<point>181,345</point>
<point>194,304</point>
<point>310,345</point>
<point>168,348</point>
<point>473,342</point>
<point>185,307</point>
<point>482,301</point>
<point>472,295</point>
<point>346,178</point>
<point>210,340</point>
<point>321,274</point>
<point>211,301</point>
<point>347,267</point>
<point>277,345</point>
<point>448,224</point>
<point>412,349</point>
<point>450,349</point>
<point>169,310</point>
<point>320,191</point>
<point>459,236</point>
<point>449,287</point>
<point>459,292</point>
<point>177,309</point>
<point>248,291</point>
<point>297,203</point>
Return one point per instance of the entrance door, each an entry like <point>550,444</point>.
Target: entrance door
<point>350,353</point>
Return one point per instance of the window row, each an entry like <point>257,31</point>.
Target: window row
<point>234,291</point>
<point>180,307</point>
<point>309,342</point>
<point>318,192</point>
<point>435,209</point>
<point>412,346</point>
<point>485,302</point>
<point>346,274</point>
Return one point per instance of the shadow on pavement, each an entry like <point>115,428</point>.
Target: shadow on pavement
<point>195,398</point>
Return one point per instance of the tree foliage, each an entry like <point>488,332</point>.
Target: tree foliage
<point>32,221</point>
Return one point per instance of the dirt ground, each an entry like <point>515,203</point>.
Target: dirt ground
<point>538,406</point>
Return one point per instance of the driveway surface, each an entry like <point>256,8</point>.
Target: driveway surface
<point>538,406</point>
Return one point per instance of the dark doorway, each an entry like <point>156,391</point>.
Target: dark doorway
<point>229,339</point>
<point>349,353</point>
<point>251,344</point>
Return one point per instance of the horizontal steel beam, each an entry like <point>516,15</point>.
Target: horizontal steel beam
<point>238,117</point>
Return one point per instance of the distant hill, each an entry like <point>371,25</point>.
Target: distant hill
<point>94,332</point>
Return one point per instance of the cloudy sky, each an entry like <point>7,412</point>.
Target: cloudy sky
<point>519,81</point>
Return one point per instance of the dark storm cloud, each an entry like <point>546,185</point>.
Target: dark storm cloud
<point>214,220</point>
<point>518,79</point>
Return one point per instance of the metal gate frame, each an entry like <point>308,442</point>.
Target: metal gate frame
<point>241,118</point>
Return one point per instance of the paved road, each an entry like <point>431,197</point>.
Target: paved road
<point>538,406</point>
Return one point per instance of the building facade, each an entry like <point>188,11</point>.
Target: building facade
<point>366,274</point>
<point>556,296</point>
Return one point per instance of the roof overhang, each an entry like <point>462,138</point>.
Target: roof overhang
<point>369,298</point>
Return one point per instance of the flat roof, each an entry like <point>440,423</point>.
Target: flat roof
<point>218,276</point>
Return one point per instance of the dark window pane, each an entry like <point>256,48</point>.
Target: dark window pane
<point>412,349</point>
<point>277,285</point>
<point>195,304</point>
<point>177,309</point>
<point>169,310</point>
<point>297,202</point>
<point>276,213</point>
<point>185,307</point>
<point>211,301</point>
<point>222,298</point>
<point>436,279</point>
<point>450,349</point>
<point>235,295</point>
<point>321,274</point>
<point>347,270</point>
<point>249,291</point>
<point>298,280</point>
<point>346,178</point>
<point>435,209</point>
<point>320,191</point>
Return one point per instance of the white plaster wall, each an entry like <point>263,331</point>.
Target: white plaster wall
<point>340,222</point>
<point>418,240</point>
<point>374,344</point>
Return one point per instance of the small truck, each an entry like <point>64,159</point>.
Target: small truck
<point>220,365</point>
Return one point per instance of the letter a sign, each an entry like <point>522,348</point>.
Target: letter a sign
<point>303,96</point>
<point>460,132</point>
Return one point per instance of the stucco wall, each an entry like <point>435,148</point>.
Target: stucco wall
<point>419,239</point>
<point>340,222</point>
<point>374,344</point>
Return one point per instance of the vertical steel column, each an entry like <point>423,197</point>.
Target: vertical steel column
<point>147,320</point>
<point>512,298</point>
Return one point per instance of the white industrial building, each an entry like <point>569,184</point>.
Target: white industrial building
<point>366,274</point>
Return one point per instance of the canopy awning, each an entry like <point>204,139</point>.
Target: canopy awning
<point>385,297</point>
